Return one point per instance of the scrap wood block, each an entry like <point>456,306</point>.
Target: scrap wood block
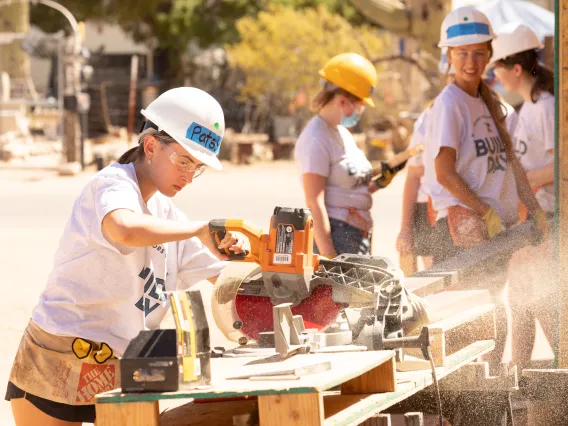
<point>458,331</point>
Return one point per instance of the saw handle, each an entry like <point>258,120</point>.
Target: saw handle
<point>218,229</point>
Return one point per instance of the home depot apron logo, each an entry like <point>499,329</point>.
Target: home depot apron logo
<point>94,379</point>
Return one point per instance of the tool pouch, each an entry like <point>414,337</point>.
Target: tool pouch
<point>467,228</point>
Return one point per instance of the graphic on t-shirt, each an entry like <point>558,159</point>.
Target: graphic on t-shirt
<point>156,286</point>
<point>490,146</point>
<point>520,147</point>
<point>362,175</point>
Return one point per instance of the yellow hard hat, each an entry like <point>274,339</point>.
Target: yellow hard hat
<point>353,73</point>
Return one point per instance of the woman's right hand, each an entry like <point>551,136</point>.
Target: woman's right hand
<point>405,241</point>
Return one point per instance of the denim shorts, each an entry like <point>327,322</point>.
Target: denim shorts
<point>348,239</point>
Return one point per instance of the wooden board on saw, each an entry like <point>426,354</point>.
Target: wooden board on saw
<point>457,319</point>
<point>338,409</point>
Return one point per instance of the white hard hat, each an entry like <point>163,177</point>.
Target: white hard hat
<point>514,38</point>
<point>444,63</point>
<point>193,118</point>
<point>463,26</point>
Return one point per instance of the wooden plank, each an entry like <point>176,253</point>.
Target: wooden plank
<point>458,331</point>
<point>131,414</point>
<point>345,366</point>
<point>474,377</point>
<point>291,410</point>
<point>379,379</point>
<point>449,303</point>
<point>338,409</point>
<point>342,410</point>
<point>562,180</point>
<point>424,286</point>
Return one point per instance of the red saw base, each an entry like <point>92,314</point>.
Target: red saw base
<point>318,311</point>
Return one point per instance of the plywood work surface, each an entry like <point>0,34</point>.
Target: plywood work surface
<point>344,367</point>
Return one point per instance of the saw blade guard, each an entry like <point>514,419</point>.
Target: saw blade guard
<point>242,317</point>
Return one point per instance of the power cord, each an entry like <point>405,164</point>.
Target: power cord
<point>436,385</point>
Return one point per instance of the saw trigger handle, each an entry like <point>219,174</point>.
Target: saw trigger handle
<point>218,230</point>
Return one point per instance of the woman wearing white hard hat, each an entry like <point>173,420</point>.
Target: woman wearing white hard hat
<point>531,284</point>
<point>124,248</point>
<point>471,172</point>
<point>336,175</point>
<point>416,232</point>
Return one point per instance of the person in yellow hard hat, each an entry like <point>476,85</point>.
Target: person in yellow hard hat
<point>336,175</point>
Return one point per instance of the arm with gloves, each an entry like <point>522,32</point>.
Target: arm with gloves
<point>449,178</point>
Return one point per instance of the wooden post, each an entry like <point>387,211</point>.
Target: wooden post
<point>132,94</point>
<point>13,59</point>
<point>71,87</point>
<point>562,182</point>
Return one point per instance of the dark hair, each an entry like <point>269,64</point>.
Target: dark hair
<point>327,93</point>
<point>137,152</point>
<point>528,60</point>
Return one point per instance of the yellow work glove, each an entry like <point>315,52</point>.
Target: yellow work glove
<point>387,175</point>
<point>493,221</point>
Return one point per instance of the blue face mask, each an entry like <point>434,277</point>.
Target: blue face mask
<point>350,121</point>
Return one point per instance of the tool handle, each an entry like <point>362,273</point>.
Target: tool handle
<point>218,229</point>
<point>402,157</point>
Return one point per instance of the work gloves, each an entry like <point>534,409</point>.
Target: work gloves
<point>387,174</point>
<point>493,222</point>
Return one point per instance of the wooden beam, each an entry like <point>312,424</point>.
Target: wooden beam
<point>562,181</point>
<point>129,413</point>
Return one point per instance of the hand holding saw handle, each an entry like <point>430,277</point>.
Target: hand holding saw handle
<point>218,229</point>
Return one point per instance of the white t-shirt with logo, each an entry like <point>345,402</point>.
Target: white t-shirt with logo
<point>418,137</point>
<point>333,153</point>
<point>106,292</point>
<point>462,122</point>
<point>533,138</point>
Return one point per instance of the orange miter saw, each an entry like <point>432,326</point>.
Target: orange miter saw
<point>281,268</point>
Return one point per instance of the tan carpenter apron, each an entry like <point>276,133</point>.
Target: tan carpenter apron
<point>63,369</point>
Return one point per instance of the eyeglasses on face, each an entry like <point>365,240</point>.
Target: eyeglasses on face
<point>183,163</point>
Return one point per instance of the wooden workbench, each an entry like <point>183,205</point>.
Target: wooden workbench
<point>368,383</point>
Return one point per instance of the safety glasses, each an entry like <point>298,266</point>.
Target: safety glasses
<point>184,164</point>
<point>359,108</point>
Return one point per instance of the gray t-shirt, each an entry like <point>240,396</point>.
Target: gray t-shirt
<point>333,153</point>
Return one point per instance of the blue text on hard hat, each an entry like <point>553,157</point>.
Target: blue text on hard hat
<point>205,137</point>
<point>469,28</point>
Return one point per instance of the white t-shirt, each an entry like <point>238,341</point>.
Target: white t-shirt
<point>462,122</point>
<point>107,292</point>
<point>418,137</point>
<point>533,138</point>
<point>333,153</point>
